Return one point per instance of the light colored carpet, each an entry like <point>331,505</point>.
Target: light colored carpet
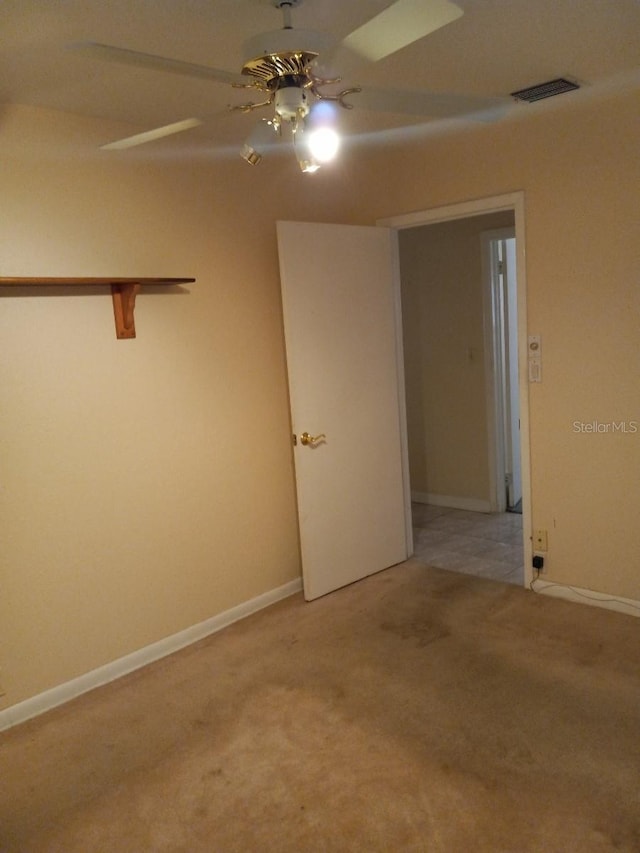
<point>418,710</point>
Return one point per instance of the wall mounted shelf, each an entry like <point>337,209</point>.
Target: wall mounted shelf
<point>123,293</point>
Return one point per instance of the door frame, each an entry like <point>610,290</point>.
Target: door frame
<point>464,210</point>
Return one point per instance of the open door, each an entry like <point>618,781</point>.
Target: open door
<point>512,390</point>
<point>340,318</point>
<point>501,329</point>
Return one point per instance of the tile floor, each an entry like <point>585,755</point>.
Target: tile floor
<point>475,543</point>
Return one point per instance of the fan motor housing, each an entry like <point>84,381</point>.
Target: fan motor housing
<point>291,102</point>
<point>282,52</point>
<point>274,66</point>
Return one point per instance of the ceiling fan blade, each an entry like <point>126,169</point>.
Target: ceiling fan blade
<point>151,135</point>
<point>432,104</point>
<point>402,23</point>
<point>121,55</point>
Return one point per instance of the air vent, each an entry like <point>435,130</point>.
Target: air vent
<point>545,90</point>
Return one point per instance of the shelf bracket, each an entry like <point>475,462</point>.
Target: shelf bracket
<point>124,303</point>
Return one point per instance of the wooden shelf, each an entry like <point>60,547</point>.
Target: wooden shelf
<point>123,293</point>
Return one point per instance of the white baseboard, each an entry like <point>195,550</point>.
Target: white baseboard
<point>116,669</point>
<point>470,504</point>
<point>588,596</point>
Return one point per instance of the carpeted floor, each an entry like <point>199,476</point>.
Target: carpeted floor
<point>418,710</point>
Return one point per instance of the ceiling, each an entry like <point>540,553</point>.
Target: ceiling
<point>496,47</point>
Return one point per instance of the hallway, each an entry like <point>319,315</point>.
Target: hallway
<point>475,543</point>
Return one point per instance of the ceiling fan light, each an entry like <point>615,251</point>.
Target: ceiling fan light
<point>250,154</point>
<point>308,166</point>
<point>259,138</point>
<point>324,144</point>
<point>306,159</point>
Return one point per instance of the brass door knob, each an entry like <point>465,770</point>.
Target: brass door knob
<point>312,440</point>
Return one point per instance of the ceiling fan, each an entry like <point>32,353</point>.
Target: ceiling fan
<point>290,69</point>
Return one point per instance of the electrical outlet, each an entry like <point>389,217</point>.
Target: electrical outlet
<point>539,540</point>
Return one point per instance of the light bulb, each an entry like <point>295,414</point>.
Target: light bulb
<point>323,143</point>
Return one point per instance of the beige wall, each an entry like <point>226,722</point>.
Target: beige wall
<point>147,484</point>
<point>577,163</point>
<point>441,268</point>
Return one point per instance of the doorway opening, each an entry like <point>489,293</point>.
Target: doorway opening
<point>462,291</point>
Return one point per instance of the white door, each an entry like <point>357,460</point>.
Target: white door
<point>342,357</point>
<point>512,391</point>
<point>501,336</point>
